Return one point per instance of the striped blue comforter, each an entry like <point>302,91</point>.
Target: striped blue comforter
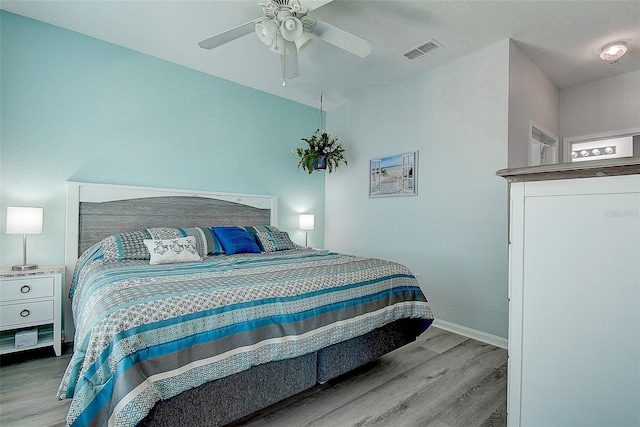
<point>148,332</point>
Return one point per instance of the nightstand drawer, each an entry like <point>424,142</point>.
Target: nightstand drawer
<point>27,288</point>
<point>28,312</point>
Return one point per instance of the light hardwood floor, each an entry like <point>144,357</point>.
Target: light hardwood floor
<point>441,380</point>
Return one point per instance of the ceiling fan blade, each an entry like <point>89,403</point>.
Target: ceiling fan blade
<point>342,39</point>
<point>229,35</point>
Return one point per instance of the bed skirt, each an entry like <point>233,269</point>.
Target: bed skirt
<point>231,398</point>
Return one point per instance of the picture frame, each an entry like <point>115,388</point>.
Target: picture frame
<point>394,176</point>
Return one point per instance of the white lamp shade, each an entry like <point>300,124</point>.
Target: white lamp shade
<point>23,220</point>
<point>289,62</point>
<point>266,31</point>
<point>291,29</point>
<point>303,41</point>
<point>307,222</point>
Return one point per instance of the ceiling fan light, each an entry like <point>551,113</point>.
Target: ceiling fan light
<point>289,62</point>
<point>613,51</point>
<point>266,31</point>
<point>291,28</point>
<point>303,41</point>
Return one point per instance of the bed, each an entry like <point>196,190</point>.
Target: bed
<point>194,308</point>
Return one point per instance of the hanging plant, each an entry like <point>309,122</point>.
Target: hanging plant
<point>322,152</point>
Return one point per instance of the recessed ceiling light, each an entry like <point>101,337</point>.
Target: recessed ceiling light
<point>613,51</point>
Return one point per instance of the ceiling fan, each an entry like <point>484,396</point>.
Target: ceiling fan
<point>287,28</point>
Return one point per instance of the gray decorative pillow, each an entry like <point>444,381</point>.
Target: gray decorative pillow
<point>165,233</point>
<point>273,241</point>
<point>255,229</point>
<point>203,239</point>
<point>126,245</point>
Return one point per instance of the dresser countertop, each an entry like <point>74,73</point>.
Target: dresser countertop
<point>45,269</point>
<point>590,169</point>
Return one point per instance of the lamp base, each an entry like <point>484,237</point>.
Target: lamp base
<point>24,267</point>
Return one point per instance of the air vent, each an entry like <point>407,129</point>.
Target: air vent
<point>422,50</point>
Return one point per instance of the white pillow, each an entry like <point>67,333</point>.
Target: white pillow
<point>170,251</point>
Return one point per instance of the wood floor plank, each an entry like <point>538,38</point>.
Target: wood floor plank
<point>439,340</point>
<point>28,385</point>
<point>425,387</point>
<point>498,418</point>
<point>478,403</point>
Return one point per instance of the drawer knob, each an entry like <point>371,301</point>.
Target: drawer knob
<point>25,289</point>
<point>25,313</point>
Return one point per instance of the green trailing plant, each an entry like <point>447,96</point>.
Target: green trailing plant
<point>320,144</point>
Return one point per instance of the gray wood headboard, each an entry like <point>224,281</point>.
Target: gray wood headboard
<point>101,219</point>
<point>95,211</point>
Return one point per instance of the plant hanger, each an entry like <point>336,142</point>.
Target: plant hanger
<point>321,117</point>
<point>323,152</point>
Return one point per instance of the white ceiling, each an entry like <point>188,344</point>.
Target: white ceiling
<point>562,37</point>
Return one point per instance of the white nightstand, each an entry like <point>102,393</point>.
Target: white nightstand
<point>31,300</point>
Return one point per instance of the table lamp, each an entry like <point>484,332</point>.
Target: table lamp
<point>306,222</point>
<point>23,220</point>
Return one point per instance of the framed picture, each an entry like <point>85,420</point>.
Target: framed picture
<point>394,176</point>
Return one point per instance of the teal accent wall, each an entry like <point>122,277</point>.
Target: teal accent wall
<point>76,108</point>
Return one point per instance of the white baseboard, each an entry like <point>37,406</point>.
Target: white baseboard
<point>471,333</point>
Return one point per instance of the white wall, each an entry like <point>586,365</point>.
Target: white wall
<point>453,234</point>
<point>605,105</point>
<point>532,98</point>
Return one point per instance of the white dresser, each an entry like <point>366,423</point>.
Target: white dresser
<point>574,294</point>
<point>31,308</point>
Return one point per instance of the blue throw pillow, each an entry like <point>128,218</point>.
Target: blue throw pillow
<point>235,240</point>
